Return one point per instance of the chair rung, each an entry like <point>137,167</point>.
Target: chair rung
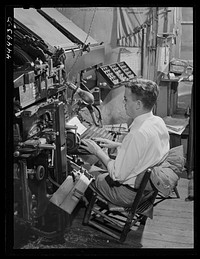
<point>101,199</point>
<point>113,207</point>
<point>104,229</point>
<point>144,206</point>
<point>111,220</point>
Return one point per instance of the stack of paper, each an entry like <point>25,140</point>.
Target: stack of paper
<point>176,125</point>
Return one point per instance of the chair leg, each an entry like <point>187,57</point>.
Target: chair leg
<point>143,220</point>
<point>126,228</point>
<point>89,209</point>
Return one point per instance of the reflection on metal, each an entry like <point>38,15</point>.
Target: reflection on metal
<point>39,25</point>
<point>74,33</point>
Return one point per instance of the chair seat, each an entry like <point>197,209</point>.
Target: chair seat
<point>144,206</point>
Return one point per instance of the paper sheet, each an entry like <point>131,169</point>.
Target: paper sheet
<point>76,122</point>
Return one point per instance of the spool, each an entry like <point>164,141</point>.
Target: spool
<point>40,172</point>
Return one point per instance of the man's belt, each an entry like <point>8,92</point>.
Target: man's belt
<point>113,183</point>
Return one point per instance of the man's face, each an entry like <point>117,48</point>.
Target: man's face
<point>131,104</point>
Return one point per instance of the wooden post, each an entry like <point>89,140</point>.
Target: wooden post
<point>155,45</point>
<point>190,149</point>
<point>165,25</point>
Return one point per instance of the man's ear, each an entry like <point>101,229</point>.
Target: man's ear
<point>139,104</point>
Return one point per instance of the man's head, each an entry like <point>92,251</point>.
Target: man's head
<point>140,96</point>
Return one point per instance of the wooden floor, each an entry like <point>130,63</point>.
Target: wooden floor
<point>171,227</point>
<point>173,223</point>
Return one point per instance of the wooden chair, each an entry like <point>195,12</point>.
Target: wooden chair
<point>161,198</point>
<point>117,221</point>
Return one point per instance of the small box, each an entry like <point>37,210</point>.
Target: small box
<point>26,94</point>
<point>49,82</point>
<point>70,192</point>
<point>116,73</point>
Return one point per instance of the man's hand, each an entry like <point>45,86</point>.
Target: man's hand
<point>90,146</point>
<point>106,143</point>
<point>96,150</point>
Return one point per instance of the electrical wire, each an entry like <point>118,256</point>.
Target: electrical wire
<point>88,34</point>
<point>52,181</point>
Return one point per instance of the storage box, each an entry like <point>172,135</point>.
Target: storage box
<point>116,73</point>
<point>70,191</point>
<point>177,66</point>
<point>177,69</point>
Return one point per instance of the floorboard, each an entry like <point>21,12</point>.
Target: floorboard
<point>172,225</point>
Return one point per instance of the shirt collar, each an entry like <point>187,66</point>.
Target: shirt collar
<point>139,119</point>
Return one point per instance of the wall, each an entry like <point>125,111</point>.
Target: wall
<point>187,34</point>
<point>103,27</point>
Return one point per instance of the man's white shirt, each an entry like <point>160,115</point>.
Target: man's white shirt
<point>144,146</point>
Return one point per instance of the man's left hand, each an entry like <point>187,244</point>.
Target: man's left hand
<point>90,146</point>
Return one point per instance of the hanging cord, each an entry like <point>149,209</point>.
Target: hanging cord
<point>79,54</point>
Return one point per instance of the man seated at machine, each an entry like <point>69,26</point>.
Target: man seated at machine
<point>145,145</point>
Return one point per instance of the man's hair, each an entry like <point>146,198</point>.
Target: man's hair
<point>145,90</point>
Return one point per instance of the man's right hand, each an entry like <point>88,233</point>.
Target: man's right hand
<point>106,143</point>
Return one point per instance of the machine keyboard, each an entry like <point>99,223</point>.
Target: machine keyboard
<point>112,133</point>
<point>95,131</point>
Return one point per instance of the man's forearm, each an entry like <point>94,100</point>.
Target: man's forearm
<point>116,144</point>
<point>103,157</point>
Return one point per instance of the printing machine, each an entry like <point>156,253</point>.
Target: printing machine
<point>53,84</point>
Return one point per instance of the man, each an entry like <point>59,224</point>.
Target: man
<point>146,144</point>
